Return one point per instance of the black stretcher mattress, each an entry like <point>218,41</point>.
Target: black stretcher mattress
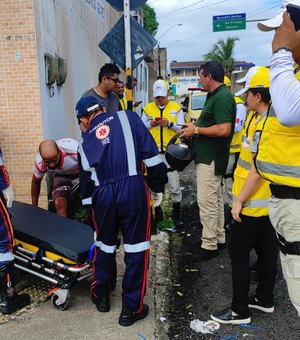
<point>48,231</point>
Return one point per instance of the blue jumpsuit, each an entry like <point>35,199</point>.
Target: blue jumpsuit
<point>111,157</point>
<point>6,230</point>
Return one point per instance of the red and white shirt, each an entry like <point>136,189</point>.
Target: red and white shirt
<point>68,160</point>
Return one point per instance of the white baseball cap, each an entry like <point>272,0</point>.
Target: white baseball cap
<point>256,78</point>
<point>269,25</point>
<point>251,70</point>
<point>160,88</point>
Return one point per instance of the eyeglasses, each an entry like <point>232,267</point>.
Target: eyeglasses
<point>115,80</point>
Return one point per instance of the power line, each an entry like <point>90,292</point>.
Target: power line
<point>195,3</point>
<point>192,10</point>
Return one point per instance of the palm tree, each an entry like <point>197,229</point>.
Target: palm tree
<point>222,52</point>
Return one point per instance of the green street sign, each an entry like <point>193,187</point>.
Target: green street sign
<point>229,22</point>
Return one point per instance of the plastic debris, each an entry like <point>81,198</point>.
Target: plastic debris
<point>179,293</point>
<point>162,319</point>
<point>141,336</point>
<point>257,328</point>
<point>205,327</point>
<point>234,336</point>
<point>250,336</point>
<point>222,267</point>
<point>191,270</point>
<point>189,306</point>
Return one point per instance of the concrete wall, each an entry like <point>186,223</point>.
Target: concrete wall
<point>70,29</point>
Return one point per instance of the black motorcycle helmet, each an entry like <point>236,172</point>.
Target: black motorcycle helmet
<point>179,155</point>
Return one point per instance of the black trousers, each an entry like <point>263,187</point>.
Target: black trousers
<point>257,233</point>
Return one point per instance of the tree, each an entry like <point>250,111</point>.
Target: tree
<point>222,52</point>
<point>150,22</point>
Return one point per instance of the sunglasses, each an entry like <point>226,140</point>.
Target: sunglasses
<point>115,80</point>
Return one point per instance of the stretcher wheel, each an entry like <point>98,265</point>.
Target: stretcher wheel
<point>56,301</point>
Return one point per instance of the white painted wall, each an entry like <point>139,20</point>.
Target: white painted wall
<point>71,29</point>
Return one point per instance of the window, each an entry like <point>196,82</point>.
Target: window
<point>177,72</point>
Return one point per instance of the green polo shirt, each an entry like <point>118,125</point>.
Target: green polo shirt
<point>219,108</point>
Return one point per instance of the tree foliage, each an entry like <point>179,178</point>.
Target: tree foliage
<point>150,22</point>
<point>222,52</point>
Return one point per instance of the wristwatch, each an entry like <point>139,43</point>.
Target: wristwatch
<point>196,131</point>
<point>282,49</point>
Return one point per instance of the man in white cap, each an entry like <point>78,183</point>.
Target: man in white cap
<point>278,157</point>
<point>164,118</point>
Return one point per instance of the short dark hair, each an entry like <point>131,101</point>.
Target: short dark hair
<point>108,70</point>
<point>213,68</point>
<point>264,92</point>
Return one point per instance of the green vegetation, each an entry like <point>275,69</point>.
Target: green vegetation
<point>222,52</point>
<point>150,22</point>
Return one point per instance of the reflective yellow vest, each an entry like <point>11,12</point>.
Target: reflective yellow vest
<point>161,135</point>
<point>235,145</point>
<point>278,156</point>
<point>123,102</point>
<point>256,205</point>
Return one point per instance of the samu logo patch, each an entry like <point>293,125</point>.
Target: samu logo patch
<point>102,132</point>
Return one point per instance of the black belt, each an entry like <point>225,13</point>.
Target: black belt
<point>291,248</point>
<point>285,192</point>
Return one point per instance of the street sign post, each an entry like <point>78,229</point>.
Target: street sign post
<point>229,22</point>
<point>119,6</point>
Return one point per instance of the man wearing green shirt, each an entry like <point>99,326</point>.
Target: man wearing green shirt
<point>211,138</point>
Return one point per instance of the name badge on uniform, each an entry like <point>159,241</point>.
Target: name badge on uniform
<point>246,144</point>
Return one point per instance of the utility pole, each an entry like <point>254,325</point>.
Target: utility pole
<point>158,59</point>
<point>128,52</point>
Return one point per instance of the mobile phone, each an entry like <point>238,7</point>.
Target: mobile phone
<point>157,119</point>
<point>294,12</point>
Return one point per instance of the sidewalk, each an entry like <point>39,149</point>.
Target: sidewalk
<point>82,321</point>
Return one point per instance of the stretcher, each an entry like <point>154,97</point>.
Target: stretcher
<point>53,248</point>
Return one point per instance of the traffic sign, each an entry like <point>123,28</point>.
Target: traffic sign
<point>113,44</point>
<point>229,22</point>
<point>118,5</point>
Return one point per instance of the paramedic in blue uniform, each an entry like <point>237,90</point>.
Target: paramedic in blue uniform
<point>113,151</point>
<point>10,300</point>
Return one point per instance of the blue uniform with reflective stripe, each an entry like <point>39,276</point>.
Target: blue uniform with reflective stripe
<point>6,231</point>
<point>111,157</point>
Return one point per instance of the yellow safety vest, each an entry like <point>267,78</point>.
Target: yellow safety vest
<point>123,102</point>
<point>235,145</point>
<point>278,156</point>
<point>256,205</point>
<point>162,135</point>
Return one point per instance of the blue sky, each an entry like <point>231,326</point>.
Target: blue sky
<point>194,37</point>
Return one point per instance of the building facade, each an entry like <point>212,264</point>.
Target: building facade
<point>49,56</point>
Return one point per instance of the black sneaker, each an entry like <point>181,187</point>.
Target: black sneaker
<point>102,304</point>
<point>227,316</point>
<point>12,304</point>
<point>204,255</point>
<point>267,308</point>
<point>128,317</point>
